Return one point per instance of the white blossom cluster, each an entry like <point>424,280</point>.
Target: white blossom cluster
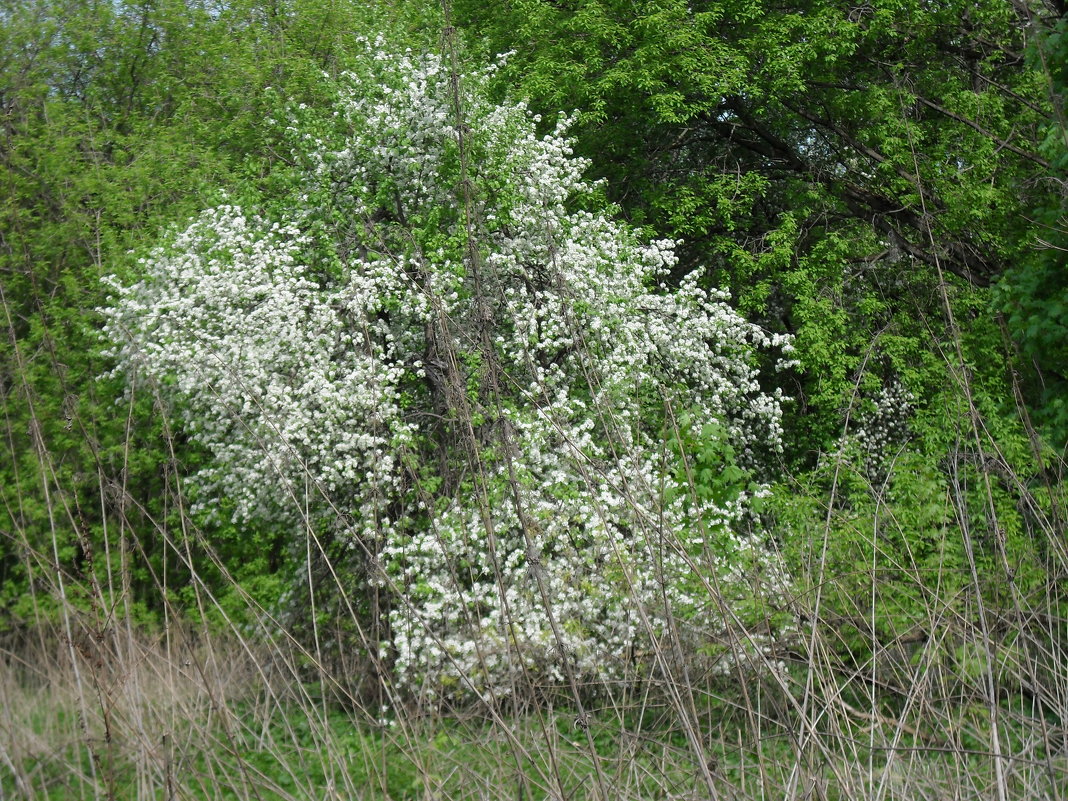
<point>883,428</point>
<point>460,250</point>
<point>281,377</point>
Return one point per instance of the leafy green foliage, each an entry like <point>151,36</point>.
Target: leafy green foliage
<point>826,161</point>
<point>1034,293</point>
<point>119,120</point>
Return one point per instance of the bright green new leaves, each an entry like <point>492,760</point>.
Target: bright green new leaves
<point>827,161</point>
<point>116,120</point>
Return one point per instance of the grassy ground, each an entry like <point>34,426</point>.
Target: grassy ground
<point>179,715</point>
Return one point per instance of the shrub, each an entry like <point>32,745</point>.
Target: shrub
<point>447,344</point>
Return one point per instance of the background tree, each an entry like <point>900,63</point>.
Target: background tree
<point>1035,292</point>
<point>828,159</point>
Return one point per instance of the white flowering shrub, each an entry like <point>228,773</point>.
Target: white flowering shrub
<point>543,450</point>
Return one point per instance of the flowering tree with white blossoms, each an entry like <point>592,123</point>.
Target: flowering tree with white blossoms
<point>542,452</point>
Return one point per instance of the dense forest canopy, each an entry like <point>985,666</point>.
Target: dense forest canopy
<point>829,160</point>
<point>551,353</point>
